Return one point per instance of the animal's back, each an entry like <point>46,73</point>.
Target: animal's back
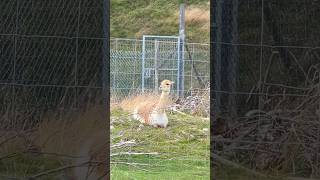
<point>143,112</point>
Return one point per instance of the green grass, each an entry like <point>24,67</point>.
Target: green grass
<point>183,149</point>
<point>131,19</point>
<point>24,165</point>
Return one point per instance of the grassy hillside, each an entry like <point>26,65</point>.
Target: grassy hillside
<point>132,19</point>
<point>181,150</point>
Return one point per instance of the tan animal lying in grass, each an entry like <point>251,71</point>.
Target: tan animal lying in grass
<point>150,109</point>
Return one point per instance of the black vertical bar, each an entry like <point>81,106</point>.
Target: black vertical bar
<point>105,73</point>
<point>225,62</point>
<point>225,58</point>
<point>76,106</point>
<point>224,65</point>
<point>216,47</point>
<point>213,81</point>
<point>14,67</point>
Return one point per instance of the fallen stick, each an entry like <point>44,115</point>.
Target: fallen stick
<point>127,163</point>
<point>131,153</point>
<point>187,114</point>
<point>125,143</point>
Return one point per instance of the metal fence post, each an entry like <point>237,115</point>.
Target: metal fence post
<point>181,52</point>
<point>156,74</point>
<point>143,57</point>
<point>179,71</point>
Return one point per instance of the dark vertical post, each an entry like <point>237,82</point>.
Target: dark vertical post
<point>14,113</point>
<point>212,92</point>
<point>216,38</point>
<point>76,58</point>
<point>105,72</point>
<point>224,32</point>
<point>233,65</point>
<point>181,51</point>
<point>226,58</point>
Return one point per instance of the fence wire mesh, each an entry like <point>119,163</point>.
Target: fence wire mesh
<point>126,65</point>
<point>50,73</point>
<point>48,63</point>
<point>266,79</point>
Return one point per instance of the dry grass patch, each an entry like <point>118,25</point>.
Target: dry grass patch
<point>197,15</point>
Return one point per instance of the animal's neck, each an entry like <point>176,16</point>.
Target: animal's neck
<point>163,101</point>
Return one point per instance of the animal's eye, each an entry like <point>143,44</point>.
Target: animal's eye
<point>168,84</point>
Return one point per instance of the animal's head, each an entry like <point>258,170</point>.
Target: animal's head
<point>166,85</point>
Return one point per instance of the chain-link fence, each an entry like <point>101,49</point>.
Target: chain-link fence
<point>126,66</point>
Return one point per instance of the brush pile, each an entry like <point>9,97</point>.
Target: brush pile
<point>197,103</point>
<point>285,139</point>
